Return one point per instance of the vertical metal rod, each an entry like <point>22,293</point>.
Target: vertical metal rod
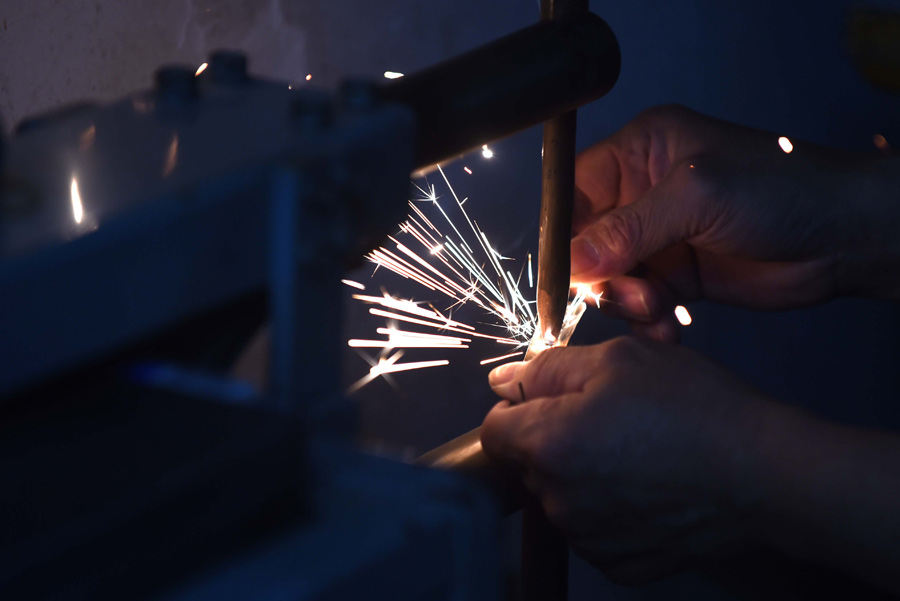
<point>545,553</point>
<point>557,197</point>
<point>545,557</point>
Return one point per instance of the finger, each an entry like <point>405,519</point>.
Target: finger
<point>666,329</point>
<point>628,297</point>
<point>535,435</point>
<point>612,173</point>
<point>507,429</point>
<point>669,213</point>
<point>554,372</point>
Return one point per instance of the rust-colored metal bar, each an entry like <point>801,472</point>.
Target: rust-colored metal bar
<point>557,197</point>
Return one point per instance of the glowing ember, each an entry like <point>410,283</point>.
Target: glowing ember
<point>881,143</point>
<point>393,75</point>
<point>487,152</point>
<point>77,208</point>
<point>682,315</point>
<point>308,77</point>
<point>467,170</point>
<point>353,284</point>
<point>785,144</point>
<point>201,69</point>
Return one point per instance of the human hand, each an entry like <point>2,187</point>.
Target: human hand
<point>708,209</point>
<point>642,454</point>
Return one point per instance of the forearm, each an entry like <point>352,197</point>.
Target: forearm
<point>831,495</point>
<point>868,263</point>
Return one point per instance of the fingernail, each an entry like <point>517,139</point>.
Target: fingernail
<point>585,256</point>
<point>505,373</point>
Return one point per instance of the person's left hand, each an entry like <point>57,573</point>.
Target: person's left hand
<point>645,455</point>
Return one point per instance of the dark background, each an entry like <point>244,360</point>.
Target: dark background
<point>776,65</point>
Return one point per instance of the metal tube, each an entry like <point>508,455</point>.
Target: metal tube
<point>508,85</point>
<point>464,455</point>
<point>557,198</point>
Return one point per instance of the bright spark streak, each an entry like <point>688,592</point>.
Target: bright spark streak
<point>392,75</point>
<point>530,276</point>
<point>467,170</point>
<point>440,326</point>
<point>682,315</point>
<point>77,208</point>
<point>398,343</point>
<point>353,284</point>
<point>201,69</point>
<point>785,144</point>
<point>423,336</point>
<point>408,307</point>
<point>380,370</point>
<point>487,152</point>
<point>501,358</point>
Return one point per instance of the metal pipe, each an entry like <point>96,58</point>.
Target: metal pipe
<point>464,455</point>
<point>557,197</point>
<point>508,85</point>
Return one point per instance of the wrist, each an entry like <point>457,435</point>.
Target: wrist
<point>868,221</point>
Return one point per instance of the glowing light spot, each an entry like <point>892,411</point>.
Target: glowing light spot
<point>392,75</point>
<point>201,69</point>
<point>86,140</point>
<point>467,170</point>
<point>171,157</point>
<point>881,143</point>
<point>785,144</point>
<point>77,208</point>
<point>353,284</point>
<point>308,77</point>
<point>487,152</point>
<point>682,315</point>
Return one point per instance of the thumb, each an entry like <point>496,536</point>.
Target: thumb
<point>624,237</point>
<point>555,372</point>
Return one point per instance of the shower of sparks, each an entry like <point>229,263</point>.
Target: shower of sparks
<point>682,315</point>
<point>392,75</point>
<point>353,284</point>
<point>201,69</point>
<point>785,144</point>
<point>451,257</point>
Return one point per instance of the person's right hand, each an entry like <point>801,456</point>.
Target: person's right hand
<point>678,207</point>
